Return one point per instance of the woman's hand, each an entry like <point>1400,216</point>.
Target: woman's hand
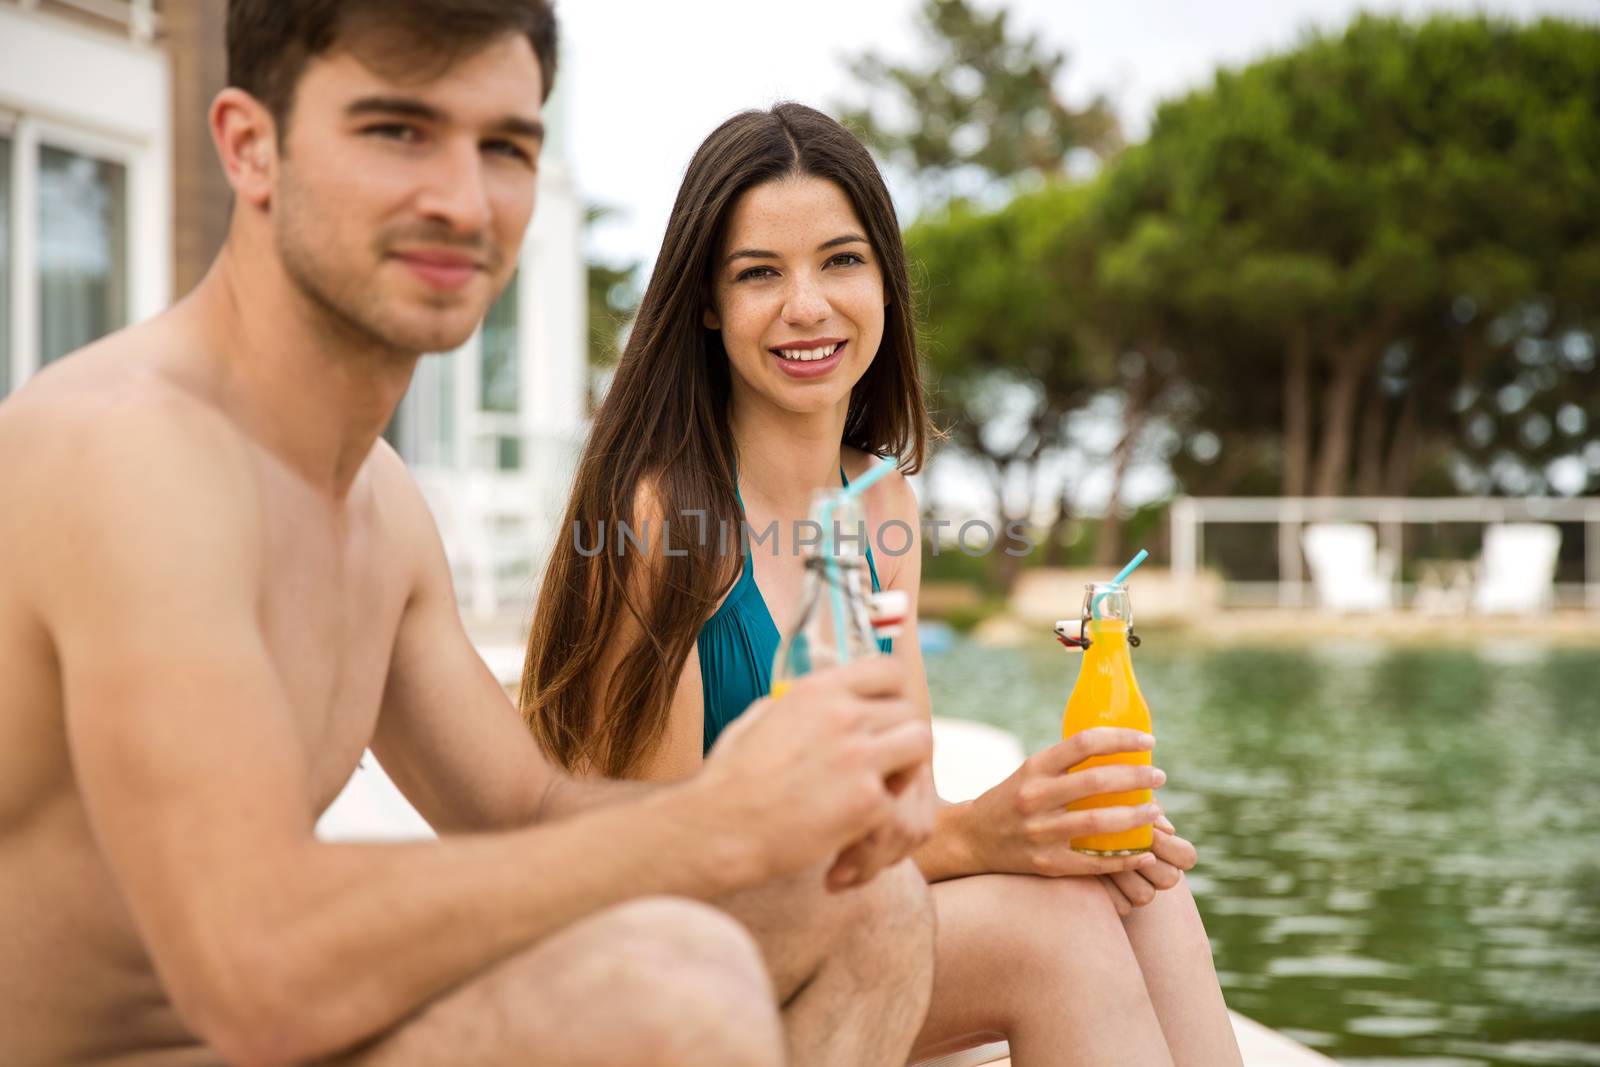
<point>1021,826</point>
<point>1134,889</point>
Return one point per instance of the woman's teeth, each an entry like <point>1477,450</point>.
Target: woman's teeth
<point>806,355</point>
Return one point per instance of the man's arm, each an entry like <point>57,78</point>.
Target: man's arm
<point>146,568</point>
<point>447,732</point>
<point>275,947</point>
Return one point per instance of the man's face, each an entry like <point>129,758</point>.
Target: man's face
<point>400,207</point>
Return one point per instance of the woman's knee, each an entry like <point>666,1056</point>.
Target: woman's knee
<point>1051,924</point>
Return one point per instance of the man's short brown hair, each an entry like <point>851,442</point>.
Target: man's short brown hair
<point>270,41</point>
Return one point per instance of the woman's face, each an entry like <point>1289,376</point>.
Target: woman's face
<point>797,293</point>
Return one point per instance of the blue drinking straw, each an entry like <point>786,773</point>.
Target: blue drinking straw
<point>854,489</point>
<point>871,478</point>
<point>1122,576</point>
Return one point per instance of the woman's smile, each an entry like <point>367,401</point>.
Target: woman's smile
<point>809,359</point>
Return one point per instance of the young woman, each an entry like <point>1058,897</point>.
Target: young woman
<point>774,354</point>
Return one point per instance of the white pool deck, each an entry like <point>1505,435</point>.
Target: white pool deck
<point>967,759</point>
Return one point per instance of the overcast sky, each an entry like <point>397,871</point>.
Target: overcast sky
<point>645,81</point>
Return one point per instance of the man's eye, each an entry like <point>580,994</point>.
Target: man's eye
<point>509,149</point>
<point>395,131</point>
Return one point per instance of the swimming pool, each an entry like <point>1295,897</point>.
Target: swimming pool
<point>1399,846</point>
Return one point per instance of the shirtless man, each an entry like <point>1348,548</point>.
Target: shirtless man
<point>218,584</point>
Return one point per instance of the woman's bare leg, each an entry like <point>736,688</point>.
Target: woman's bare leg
<point>1175,956</point>
<point>1046,964</point>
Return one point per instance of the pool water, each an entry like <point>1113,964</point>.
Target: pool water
<point>1399,846</point>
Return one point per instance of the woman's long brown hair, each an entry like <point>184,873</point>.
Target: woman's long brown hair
<point>663,425</point>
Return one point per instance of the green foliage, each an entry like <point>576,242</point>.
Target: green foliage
<point>612,300</point>
<point>1411,203</point>
<point>965,618</point>
<point>984,101</point>
<point>1008,360</point>
<point>1360,266</point>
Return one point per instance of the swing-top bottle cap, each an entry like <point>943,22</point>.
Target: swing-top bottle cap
<point>888,609</point>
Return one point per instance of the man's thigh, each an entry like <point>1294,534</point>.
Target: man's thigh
<point>653,981</point>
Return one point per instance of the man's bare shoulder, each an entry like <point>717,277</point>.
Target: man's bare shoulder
<point>133,379</point>
<point>402,507</point>
<point>111,444</point>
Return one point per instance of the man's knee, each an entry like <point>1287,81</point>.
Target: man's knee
<point>697,983</point>
<point>894,915</point>
<point>678,982</point>
<point>697,935</point>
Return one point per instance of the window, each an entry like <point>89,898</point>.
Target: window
<point>82,256</point>
<point>424,428</point>
<point>5,265</point>
<point>498,379</point>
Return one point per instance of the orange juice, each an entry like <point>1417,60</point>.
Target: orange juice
<point>1107,694</point>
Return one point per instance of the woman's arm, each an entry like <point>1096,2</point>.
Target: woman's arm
<point>1019,825</point>
<point>678,753</point>
<point>681,750</point>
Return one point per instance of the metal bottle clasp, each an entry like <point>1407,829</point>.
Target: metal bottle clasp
<point>1082,640</point>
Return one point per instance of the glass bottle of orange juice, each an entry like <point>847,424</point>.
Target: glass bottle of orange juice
<point>833,624</point>
<point>1107,694</point>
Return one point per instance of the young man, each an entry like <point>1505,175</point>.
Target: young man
<point>219,585</point>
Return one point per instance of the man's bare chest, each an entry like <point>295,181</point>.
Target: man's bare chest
<point>330,607</point>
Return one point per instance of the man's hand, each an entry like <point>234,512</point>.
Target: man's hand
<point>1021,826</point>
<point>910,828</point>
<point>1134,889</point>
<point>833,762</point>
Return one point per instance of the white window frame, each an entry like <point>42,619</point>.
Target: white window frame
<point>8,131</point>
<point>34,133</point>
<point>83,90</point>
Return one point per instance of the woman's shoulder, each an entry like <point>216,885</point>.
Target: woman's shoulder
<point>892,496</point>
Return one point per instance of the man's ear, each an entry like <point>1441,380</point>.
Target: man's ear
<point>711,320</point>
<point>247,144</point>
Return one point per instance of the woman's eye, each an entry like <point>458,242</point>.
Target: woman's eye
<point>847,259</point>
<point>755,272</point>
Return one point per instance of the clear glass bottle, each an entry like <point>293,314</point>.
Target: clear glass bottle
<point>833,624</point>
<point>1107,694</point>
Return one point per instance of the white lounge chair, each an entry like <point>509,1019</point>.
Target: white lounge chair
<point>1348,571</point>
<point>1518,568</point>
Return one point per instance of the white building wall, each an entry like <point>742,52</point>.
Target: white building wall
<point>498,524</point>
<point>101,95</point>
<point>554,289</point>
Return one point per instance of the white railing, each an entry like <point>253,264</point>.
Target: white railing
<point>498,526</point>
<point>1390,515</point>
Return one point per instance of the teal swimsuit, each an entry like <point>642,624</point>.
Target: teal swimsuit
<point>737,644</point>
